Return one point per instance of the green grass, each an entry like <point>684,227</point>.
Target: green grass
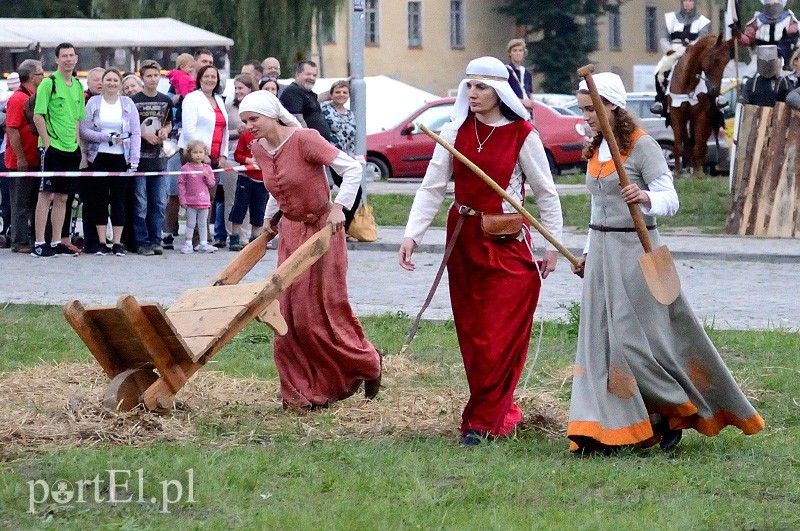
<point>390,482</point>
<point>704,204</point>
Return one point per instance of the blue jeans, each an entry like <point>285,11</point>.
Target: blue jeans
<point>220,231</point>
<point>150,201</point>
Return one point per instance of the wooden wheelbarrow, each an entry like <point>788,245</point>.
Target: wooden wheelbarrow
<point>132,339</point>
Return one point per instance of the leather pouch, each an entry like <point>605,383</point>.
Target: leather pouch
<point>501,227</point>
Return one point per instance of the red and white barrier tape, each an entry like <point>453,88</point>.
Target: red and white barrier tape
<point>244,167</point>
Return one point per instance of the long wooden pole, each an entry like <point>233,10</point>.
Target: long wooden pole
<point>608,134</point>
<point>496,187</point>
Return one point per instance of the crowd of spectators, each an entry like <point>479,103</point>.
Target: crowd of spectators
<point>123,125</point>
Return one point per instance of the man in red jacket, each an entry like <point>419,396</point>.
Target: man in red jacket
<point>22,154</point>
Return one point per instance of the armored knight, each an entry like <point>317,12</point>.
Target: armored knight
<point>776,26</point>
<point>683,28</point>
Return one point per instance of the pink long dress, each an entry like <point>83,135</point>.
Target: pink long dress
<point>324,357</point>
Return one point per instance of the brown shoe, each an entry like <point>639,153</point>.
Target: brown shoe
<point>372,387</point>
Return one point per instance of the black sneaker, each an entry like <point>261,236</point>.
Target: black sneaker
<point>220,244</point>
<point>43,250</point>
<point>168,241</point>
<point>63,250</point>
<point>103,250</point>
<point>118,249</point>
<point>145,250</point>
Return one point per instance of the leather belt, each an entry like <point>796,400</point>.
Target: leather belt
<point>464,210</point>
<point>311,217</point>
<point>603,228</point>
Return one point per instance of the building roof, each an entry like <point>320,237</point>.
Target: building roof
<point>110,33</point>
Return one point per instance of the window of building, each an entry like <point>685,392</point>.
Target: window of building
<point>328,30</point>
<point>651,28</point>
<point>415,24</point>
<point>457,39</point>
<point>371,22</point>
<point>614,29</point>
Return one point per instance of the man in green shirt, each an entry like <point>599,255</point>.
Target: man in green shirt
<point>59,109</point>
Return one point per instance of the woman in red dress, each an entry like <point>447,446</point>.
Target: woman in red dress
<point>324,357</point>
<point>494,285</point>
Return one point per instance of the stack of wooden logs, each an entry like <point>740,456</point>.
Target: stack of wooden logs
<point>765,194</point>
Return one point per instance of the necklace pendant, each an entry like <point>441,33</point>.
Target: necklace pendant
<point>480,148</point>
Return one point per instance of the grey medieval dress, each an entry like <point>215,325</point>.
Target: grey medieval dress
<point>635,356</point>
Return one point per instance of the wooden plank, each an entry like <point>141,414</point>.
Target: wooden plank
<point>245,260</point>
<point>199,345</point>
<point>213,297</point>
<point>773,163</point>
<point>124,348</point>
<point>742,168</point>
<point>211,322</point>
<point>167,365</point>
<point>756,170</point>
<point>92,337</point>
<point>164,328</point>
<point>272,317</point>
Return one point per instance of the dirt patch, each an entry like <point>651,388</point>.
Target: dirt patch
<point>51,407</point>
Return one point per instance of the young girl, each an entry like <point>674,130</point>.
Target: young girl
<point>194,195</point>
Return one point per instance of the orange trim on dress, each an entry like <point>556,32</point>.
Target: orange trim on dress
<point>618,437</point>
<point>600,170</point>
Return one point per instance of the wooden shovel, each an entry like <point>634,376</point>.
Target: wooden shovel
<point>657,264</point>
<point>511,201</point>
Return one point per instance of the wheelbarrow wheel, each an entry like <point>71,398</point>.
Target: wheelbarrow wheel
<point>126,389</point>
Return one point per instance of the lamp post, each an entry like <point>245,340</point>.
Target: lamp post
<point>358,96</point>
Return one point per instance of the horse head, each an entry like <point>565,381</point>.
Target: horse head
<point>705,58</point>
<point>713,62</point>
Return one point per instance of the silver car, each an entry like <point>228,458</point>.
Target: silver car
<point>718,156</point>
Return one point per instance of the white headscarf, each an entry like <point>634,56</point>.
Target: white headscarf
<point>266,103</point>
<point>610,86</point>
<point>490,71</point>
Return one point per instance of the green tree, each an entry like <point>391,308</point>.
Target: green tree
<point>260,28</point>
<point>560,39</point>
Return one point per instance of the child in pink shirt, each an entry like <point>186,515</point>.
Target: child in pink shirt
<point>193,183</point>
<point>181,78</point>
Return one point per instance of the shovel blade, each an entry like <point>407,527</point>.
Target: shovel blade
<point>660,274</point>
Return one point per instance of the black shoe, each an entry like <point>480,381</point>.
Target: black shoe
<point>103,250</point>
<point>669,437</point>
<point>372,387</point>
<point>118,249</point>
<point>220,244</point>
<point>472,438</point>
<point>43,250</point>
<point>158,249</point>
<point>168,241</point>
<point>145,250</point>
<point>63,250</point>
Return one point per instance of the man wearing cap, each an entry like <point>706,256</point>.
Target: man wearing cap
<point>776,26</point>
<point>22,154</point>
<point>494,281</point>
<point>683,27</point>
<point>12,83</point>
<point>766,87</point>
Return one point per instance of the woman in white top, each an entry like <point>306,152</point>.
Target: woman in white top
<point>205,119</point>
<point>112,135</point>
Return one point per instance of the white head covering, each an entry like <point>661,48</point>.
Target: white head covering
<point>492,72</point>
<point>610,86</point>
<point>264,102</point>
<point>12,81</point>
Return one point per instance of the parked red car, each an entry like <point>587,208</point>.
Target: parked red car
<point>404,151</point>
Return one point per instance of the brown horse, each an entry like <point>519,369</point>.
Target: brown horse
<point>693,124</point>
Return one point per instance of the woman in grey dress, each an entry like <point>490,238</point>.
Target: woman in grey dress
<point>643,371</point>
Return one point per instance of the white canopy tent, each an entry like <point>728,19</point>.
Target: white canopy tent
<point>35,34</point>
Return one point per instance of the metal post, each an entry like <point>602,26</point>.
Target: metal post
<point>358,88</point>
